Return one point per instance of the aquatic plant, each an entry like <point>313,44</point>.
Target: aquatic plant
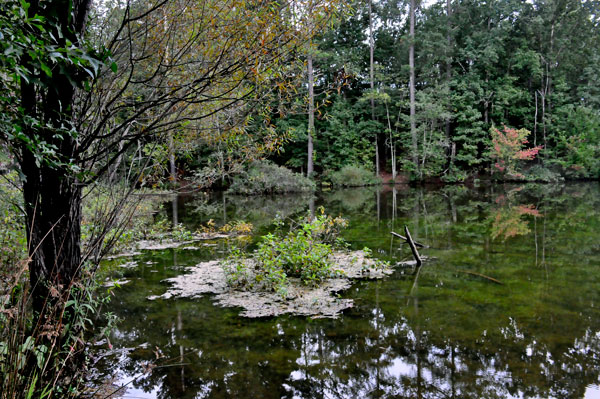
<point>303,252</point>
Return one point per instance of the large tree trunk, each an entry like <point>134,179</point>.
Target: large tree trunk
<point>53,215</point>
<point>52,193</point>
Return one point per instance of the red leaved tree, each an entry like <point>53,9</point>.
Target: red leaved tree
<point>507,150</point>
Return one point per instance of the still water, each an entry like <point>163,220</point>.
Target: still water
<point>444,331</point>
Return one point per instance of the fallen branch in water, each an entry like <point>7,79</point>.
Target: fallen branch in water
<point>413,247</point>
<point>418,244</point>
<point>493,280</point>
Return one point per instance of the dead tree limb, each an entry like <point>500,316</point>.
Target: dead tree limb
<point>413,247</point>
<point>418,244</point>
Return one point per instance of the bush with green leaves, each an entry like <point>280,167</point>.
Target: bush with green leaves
<point>13,241</point>
<point>354,176</point>
<point>264,177</point>
<point>540,173</point>
<point>303,252</point>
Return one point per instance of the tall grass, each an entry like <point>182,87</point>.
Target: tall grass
<point>43,355</point>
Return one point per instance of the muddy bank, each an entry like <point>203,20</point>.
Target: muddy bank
<point>322,301</point>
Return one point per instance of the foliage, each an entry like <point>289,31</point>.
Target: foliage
<point>578,142</point>
<point>237,227</point>
<point>264,177</point>
<point>12,234</point>
<point>234,227</point>
<point>303,252</point>
<point>353,176</point>
<point>478,65</point>
<point>37,357</point>
<point>540,173</point>
<point>507,150</point>
<point>136,220</point>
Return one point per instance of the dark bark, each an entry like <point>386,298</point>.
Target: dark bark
<point>52,194</point>
<point>53,214</point>
<point>413,247</point>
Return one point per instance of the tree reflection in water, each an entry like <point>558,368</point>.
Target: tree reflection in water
<point>445,334</point>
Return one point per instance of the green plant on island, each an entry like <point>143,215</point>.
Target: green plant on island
<point>303,252</point>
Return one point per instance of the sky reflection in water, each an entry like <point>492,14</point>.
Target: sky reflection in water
<point>446,332</point>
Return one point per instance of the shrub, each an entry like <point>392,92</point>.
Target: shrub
<point>354,176</point>
<point>544,174</point>
<point>264,177</point>
<point>303,252</point>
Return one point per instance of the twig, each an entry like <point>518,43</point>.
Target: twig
<point>493,280</point>
<point>418,244</point>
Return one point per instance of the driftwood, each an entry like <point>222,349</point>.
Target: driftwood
<point>418,244</point>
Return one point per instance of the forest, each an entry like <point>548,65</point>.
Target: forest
<point>130,128</point>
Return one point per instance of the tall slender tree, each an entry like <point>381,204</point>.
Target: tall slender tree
<point>372,82</point>
<point>311,115</point>
<point>411,87</point>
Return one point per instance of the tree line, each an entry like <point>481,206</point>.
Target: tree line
<point>121,93</point>
<point>418,87</point>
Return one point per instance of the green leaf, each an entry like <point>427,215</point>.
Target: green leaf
<point>32,387</point>
<point>25,5</point>
<point>113,67</point>
<point>46,69</point>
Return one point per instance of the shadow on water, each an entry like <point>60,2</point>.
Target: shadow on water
<point>444,332</point>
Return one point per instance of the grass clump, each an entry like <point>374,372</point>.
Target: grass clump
<point>264,177</point>
<point>303,252</point>
<point>354,176</point>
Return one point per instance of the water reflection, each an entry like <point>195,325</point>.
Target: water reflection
<point>509,220</point>
<point>441,333</point>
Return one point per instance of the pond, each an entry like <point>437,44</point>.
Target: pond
<point>507,306</point>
